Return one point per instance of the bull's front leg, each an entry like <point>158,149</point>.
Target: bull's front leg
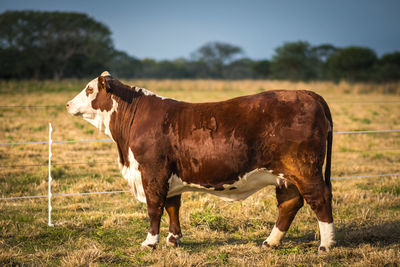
<point>155,189</point>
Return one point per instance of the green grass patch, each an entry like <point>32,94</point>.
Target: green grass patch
<point>214,222</point>
<point>392,189</point>
<point>89,131</point>
<point>39,128</point>
<point>387,189</point>
<point>287,251</point>
<point>79,125</point>
<point>346,149</point>
<point>361,120</point>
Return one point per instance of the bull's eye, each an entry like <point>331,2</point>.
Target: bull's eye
<point>89,91</point>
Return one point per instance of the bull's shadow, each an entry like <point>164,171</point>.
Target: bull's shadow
<point>380,235</point>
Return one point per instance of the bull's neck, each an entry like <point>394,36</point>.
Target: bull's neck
<point>123,120</point>
<point>129,107</point>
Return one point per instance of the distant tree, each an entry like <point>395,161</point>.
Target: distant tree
<point>124,66</point>
<point>239,69</point>
<point>148,69</point>
<point>261,68</point>
<point>166,69</point>
<point>178,68</point>
<point>14,64</point>
<point>216,55</point>
<point>323,52</point>
<point>294,61</point>
<point>199,69</point>
<point>50,42</point>
<point>352,64</point>
<point>388,67</point>
<point>183,69</point>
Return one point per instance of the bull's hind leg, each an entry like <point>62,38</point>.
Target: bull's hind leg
<point>172,206</point>
<point>319,196</point>
<point>289,202</point>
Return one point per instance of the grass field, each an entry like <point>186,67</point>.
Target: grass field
<point>108,229</point>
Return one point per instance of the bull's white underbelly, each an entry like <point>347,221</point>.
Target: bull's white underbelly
<point>247,185</point>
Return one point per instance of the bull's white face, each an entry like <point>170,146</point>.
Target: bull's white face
<point>94,104</point>
<point>82,103</point>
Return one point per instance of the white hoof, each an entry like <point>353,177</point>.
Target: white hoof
<point>274,239</point>
<point>173,240</point>
<point>151,241</point>
<point>327,231</point>
<point>265,244</point>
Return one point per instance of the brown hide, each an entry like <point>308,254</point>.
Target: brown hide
<point>212,144</point>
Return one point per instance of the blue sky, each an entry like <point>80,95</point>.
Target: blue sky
<point>168,29</point>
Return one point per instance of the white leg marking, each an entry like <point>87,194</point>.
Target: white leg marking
<point>327,231</point>
<point>274,239</point>
<point>151,240</point>
<point>177,238</point>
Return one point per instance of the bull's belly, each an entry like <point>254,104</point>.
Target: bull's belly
<point>247,185</point>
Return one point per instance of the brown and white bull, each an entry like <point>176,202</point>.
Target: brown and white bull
<point>230,149</point>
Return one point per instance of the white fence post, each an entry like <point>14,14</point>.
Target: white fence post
<point>49,195</point>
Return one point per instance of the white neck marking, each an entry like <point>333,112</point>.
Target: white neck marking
<point>103,118</point>
<point>134,177</point>
<point>150,93</point>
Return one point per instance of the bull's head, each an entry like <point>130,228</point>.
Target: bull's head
<point>95,103</point>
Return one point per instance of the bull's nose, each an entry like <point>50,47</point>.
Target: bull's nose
<point>67,105</point>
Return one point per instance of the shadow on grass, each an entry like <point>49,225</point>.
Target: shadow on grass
<point>381,235</point>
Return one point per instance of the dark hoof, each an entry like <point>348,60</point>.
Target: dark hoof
<point>172,244</point>
<point>173,240</point>
<point>322,250</point>
<point>265,245</point>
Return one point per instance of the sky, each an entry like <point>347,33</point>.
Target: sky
<point>169,29</point>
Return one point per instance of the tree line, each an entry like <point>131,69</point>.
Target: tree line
<point>55,45</point>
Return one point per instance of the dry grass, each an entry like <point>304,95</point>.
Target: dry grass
<point>108,229</point>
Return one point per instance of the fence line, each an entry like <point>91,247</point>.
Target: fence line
<point>369,131</point>
<point>65,195</point>
<point>109,140</point>
<point>113,161</point>
<point>365,176</point>
<point>363,102</point>
<point>55,142</point>
<point>58,164</point>
<point>28,106</point>
<point>110,162</point>
<point>127,191</point>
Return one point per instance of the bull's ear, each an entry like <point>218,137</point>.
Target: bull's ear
<point>103,84</point>
<point>105,73</point>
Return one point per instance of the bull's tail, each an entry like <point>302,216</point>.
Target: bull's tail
<point>329,144</point>
<point>328,115</point>
<point>329,158</point>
